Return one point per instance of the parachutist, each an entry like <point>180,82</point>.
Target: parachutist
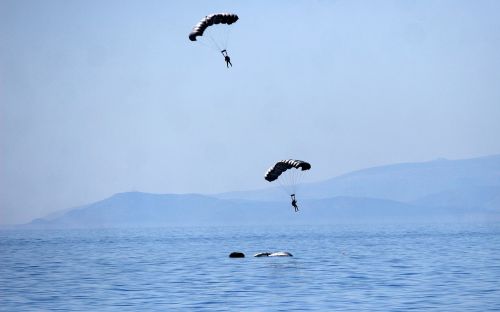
<point>228,61</point>
<point>294,202</point>
<point>290,171</point>
<point>226,58</point>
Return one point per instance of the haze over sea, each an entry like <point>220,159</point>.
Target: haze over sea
<point>453,267</point>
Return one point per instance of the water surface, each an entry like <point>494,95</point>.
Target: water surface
<point>345,268</point>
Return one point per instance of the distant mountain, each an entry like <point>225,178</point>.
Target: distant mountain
<point>142,209</point>
<point>436,190</point>
<point>469,198</point>
<point>405,182</point>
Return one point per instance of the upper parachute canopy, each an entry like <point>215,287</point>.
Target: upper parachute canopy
<point>281,166</point>
<point>218,18</point>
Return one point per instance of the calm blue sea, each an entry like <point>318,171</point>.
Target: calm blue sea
<point>344,268</point>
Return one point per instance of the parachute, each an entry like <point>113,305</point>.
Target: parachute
<point>217,38</point>
<point>220,18</point>
<point>288,173</point>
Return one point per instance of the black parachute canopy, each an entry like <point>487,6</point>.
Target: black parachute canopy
<point>283,165</point>
<point>218,18</point>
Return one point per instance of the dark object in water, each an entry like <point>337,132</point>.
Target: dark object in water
<point>274,254</point>
<point>236,254</point>
<point>262,254</point>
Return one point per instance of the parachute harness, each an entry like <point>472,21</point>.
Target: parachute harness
<point>289,180</point>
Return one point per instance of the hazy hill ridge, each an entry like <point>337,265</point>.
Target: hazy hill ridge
<point>427,190</point>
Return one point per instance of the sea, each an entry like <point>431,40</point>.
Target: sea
<point>433,267</point>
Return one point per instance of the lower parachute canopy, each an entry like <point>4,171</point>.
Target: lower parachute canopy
<point>283,165</point>
<point>288,173</point>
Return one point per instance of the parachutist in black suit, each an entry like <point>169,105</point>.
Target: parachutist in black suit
<point>294,202</point>
<point>228,61</point>
<point>226,58</point>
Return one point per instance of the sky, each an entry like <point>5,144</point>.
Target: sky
<point>102,97</point>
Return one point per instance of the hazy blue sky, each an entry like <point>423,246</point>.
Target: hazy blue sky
<point>100,97</point>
